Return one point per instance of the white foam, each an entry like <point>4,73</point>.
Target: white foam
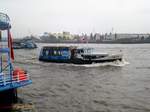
<point>116,63</point>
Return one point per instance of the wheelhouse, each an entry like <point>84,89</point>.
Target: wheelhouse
<point>84,50</point>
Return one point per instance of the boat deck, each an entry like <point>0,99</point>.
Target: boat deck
<point>7,79</point>
<point>7,82</point>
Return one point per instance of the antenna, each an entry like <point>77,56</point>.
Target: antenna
<point>112,30</point>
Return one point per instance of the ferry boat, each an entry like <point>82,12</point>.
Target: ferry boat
<point>10,78</point>
<point>76,55</point>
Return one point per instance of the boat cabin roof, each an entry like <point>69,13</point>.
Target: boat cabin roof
<point>59,47</point>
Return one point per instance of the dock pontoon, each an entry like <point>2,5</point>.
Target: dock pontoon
<point>10,78</point>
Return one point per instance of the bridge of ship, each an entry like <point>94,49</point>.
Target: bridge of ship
<point>8,80</point>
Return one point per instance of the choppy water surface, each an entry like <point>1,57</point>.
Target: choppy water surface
<point>102,88</point>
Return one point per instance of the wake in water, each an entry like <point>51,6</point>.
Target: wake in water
<point>33,60</point>
<point>115,63</point>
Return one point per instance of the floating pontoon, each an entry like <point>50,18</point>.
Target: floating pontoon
<point>10,78</point>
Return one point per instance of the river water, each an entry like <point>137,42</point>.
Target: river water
<point>94,88</point>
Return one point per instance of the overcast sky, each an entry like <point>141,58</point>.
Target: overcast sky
<point>77,16</point>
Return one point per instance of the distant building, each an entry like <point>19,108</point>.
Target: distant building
<point>48,37</point>
<point>45,34</point>
<point>97,36</point>
<point>126,35</point>
<point>67,35</point>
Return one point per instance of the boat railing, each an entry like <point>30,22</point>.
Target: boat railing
<point>6,79</point>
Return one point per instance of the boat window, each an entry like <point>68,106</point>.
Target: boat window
<point>88,51</point>
<point>55,52</point>
<point>50,52</point>
<point>59,53</point>
<point>80,51</point>
<point>44,52</point>
<point>64,53</point>
<point>47,52</point>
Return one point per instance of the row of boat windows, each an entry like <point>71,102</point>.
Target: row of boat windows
<point>54,53</point>
<point>63,52</point>
<point>80,51</point>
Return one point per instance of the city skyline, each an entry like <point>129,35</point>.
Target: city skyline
<point>77,16</point>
